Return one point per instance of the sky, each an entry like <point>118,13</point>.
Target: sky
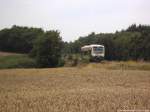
<point>74,18</point>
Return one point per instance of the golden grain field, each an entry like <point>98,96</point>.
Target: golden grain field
<point>90,88</point>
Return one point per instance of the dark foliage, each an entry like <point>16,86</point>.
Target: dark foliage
<point>18,39</point>
<point>130,44</point>
<point>47,49</point>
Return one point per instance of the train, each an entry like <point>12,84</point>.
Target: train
<point>95,51</point>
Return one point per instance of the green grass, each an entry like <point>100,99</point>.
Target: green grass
<point>17,61</point>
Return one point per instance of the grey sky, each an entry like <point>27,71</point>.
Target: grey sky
<point>75,18</point>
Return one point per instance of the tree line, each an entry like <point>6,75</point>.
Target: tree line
<point>132,43</point>
<point>43,46</point>
<point>47,47</point>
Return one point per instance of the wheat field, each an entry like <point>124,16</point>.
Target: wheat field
<point>90,88</point>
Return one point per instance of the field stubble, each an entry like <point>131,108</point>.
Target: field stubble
<point>78,89</point>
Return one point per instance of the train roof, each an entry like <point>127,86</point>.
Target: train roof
<point>93,45</point>
<point>89,47</point>
<point>96,45</point>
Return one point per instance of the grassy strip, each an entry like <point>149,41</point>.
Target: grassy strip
<point>17,61</point>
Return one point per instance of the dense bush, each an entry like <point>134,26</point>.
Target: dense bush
<point>47,50</point>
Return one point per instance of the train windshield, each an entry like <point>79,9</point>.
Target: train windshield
<point>98,49</point>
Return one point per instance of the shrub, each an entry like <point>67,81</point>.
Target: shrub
<point>47,49</point>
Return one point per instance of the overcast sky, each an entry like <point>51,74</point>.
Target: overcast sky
<point>74,18</point>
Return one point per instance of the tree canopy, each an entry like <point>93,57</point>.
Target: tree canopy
<point>132,43</point>
<point>47,49</point>
<point>18,39</point>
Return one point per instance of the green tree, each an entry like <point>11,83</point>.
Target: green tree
<point>47,49</point>
<point>18,39</point>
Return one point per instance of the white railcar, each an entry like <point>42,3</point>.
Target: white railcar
<point>96,51</point>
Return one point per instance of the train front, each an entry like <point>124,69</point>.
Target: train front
<point>98,53</point>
